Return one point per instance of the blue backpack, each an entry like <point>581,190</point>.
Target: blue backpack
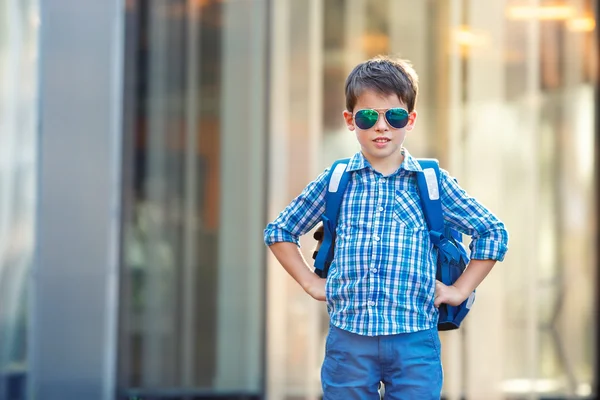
<point>452,257</point>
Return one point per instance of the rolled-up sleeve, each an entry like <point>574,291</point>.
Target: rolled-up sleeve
<point>300,216</point>
<point>467,215</point>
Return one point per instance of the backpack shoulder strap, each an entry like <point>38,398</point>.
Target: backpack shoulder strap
<point>337,182</point>
<point>429,192</point>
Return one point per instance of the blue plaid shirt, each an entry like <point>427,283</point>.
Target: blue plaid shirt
<point>382,278</point>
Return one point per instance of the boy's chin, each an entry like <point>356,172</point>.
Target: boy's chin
<point>382,152</point>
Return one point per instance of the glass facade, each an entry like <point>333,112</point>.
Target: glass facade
<point>19,22</point>
<point>507,105</point>
<point>229,108</point>
<point>192,295</point>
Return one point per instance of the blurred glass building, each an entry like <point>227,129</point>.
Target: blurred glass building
<point>144,145</point>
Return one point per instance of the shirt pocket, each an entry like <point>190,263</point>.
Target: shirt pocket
<point>407,210</point>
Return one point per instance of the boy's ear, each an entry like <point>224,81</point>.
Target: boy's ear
<point>412,119</point>
<point>348,117</point>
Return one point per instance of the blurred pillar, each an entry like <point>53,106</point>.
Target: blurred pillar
<point>189,288</point>
<point>294,341</point>
<point>74,282</point>
<point>531,125</point>
<point>596,311</point>
<point>451,92</point>
<point>19,102</point>
<point>314,101</point>
<point>355,13</point>
<point>241,212</point>
<point>157,322</point>
<point>278,189</point>
<point>574,199</point>
<point>479,148</point>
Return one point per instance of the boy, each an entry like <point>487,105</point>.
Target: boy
<point>381,291</point>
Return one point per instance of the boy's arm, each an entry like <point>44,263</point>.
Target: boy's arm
<point>283,234</point>
<point>489,240</point>
<point>467,215</point>
<point>292,260</point>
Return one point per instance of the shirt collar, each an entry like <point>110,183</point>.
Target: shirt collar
<point>358,162</point>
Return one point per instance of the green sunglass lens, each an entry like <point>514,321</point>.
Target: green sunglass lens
<point>397,117</point>
<point>365,119</point>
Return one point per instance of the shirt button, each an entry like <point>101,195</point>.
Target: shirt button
<point>382,180</point>
<point>371,303</point>
<point>380,209</point>
<point>376,238</point>
<point>374,270</point>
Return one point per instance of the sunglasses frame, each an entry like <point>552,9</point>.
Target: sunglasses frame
<point>379,112</point>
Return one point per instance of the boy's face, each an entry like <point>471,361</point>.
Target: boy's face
<point>382,141</point>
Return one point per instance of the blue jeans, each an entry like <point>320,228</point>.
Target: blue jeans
<point>409,364</point>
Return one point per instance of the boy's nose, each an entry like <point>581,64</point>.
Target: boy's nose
<point>381,124</point>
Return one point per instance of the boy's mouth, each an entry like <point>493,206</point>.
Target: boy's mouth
<point>381,140</point>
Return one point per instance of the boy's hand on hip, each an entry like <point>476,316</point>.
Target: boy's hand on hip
<point>447,295</point>
<point>316,288</point>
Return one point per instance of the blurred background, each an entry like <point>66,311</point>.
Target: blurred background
<point>145,144</point>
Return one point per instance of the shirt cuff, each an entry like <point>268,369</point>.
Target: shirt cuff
<point>488,249</point>
<point>274,235</point>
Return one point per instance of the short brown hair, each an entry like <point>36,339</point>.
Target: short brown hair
<point>386,76</point>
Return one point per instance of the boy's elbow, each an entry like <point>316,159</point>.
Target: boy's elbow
<point>503,233</point>
<point>273,234</point>
<point>498,233</point>
<point>492,244</point>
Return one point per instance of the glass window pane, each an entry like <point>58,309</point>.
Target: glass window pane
<point>193,259</point>
<point>507,105</point>
<point>19,24</point>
